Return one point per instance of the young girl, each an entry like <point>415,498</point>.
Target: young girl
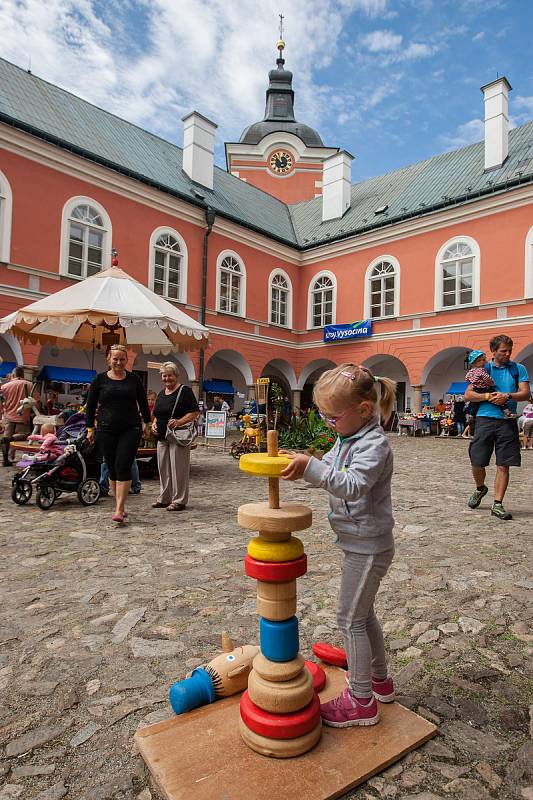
<point>357,475</point>
<point>51,448</point>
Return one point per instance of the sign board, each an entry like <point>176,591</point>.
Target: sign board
<point>353,330</point>
<point>215,424</point>
<point>263,380</point>
<point>426,398</point>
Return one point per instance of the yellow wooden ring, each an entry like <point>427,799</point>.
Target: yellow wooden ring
<point>263,464</point>
<point>275,552</point>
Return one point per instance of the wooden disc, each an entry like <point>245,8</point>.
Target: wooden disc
<point>288,517</point>
<point>319,676</point>
<point>278,670</point>
<point>281,697</point>
<point>275,551</point>
<point>275,573</point>
<point>330,654</point>
<point>280,748</point>
<point>263,464</point>
<point>276,610</point>
<point>280,726</point>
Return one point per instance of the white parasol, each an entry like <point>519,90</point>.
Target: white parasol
<point>108,307</point>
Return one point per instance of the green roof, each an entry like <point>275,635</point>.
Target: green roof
<point>453,178</point>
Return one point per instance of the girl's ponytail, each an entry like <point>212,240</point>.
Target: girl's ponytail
<point>387,396</point>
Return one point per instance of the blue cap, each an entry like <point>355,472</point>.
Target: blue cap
<point>193,692</point>
<point>473,354</point>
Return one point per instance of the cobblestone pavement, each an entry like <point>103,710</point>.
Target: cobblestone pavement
<point>96,622</point>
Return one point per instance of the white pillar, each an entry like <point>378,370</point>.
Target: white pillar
<point>496,95</point>
<point>337,185</point>
<point>199,148</point>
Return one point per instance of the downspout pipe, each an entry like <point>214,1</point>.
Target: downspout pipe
<point>210,220</point>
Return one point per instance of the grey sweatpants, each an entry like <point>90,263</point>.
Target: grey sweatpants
<point>357,621</point>
<point>173,462</point>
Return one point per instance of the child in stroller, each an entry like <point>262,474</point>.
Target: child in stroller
<point>51,448</point>
<point>72,471</point>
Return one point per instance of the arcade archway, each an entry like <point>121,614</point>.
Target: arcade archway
<point>230,367</point>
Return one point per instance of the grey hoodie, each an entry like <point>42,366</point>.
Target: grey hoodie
<point>357,474</point>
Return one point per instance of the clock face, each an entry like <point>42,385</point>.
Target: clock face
<point>280,162</point>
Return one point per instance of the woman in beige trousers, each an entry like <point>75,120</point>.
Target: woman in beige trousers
<point>172,459</point>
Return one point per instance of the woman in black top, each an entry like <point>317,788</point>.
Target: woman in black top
<point>173,460</point>
<point>118,399</point>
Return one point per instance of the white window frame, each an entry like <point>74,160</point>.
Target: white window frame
<point>274,274</point>
<point>476,269</point>
<point>182,297</point>
<point>528,281</point>
<point>242,297</point>
<point>368,284</point>
<point>323,274</point>
<point>6,214</point>
<point>107,238</point>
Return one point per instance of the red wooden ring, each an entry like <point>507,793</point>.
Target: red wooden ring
<point>330,654</point>
<point>280,726</point>
<point>275,572</point>
<point>319,676</point>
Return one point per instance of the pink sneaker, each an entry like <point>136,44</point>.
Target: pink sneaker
<point>344,711</point>
<point>383,690</point>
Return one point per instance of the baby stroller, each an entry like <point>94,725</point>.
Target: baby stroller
<point>68,473</point>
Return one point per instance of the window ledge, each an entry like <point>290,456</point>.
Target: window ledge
<point>230,314</point>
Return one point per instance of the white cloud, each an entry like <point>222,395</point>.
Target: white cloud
<point>467,133</point>
<point>479,35</point>
<point>524,102</point>
<point>151,61</point>
<point>378,41</point>
<point>418,50</point>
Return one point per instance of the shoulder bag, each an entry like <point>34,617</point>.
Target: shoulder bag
<point>185,435</point>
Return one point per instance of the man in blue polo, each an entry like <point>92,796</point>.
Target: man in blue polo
<point>494,431</point>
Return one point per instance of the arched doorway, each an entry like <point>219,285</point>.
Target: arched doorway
<point>309,376</point>
<point>525,357</point>
<point>444,368</point>
<point>391,367</point>
<point>230,367</point>
<point>147,367</point>
<point>10,354</point>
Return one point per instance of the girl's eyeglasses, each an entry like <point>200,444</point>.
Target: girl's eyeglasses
<point>333,420</point>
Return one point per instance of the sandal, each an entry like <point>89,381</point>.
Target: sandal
<point>176,507</point>
<point>157,504</point>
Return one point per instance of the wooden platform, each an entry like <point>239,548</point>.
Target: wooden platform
<point>200,755</point>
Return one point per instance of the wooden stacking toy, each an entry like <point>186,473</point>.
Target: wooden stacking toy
<point>280,711</point>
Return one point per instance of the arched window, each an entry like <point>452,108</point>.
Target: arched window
<point>86,238</point>
<point>280,299</point>
<point>457,274</point>
<point>6,204</point>
<point>231,282</point>
<point>168,264</point>
<point>382,289</point>
<point>322,301</point>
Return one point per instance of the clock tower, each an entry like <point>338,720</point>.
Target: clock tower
<point>278,154</point>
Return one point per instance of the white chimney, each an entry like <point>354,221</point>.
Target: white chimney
<point>336,185</point>
<point>496,96</point>
<point>199,148</point>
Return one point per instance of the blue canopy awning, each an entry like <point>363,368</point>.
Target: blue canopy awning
<point>458,387</point>
<point>6,367</point>
<point>66,374</point>
<point>218,387</point>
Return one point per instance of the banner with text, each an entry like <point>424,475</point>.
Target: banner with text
<point>354,330</point>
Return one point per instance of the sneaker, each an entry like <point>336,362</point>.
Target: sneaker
<point>383,690</point>
<point>345,711</point>
<point>476,498</point>
<point>497,510</point>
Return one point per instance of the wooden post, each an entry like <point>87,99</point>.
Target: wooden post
<point>273,483</point>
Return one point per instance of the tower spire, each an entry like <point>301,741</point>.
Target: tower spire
<point>281,44</point>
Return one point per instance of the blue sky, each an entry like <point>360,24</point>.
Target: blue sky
<point>392,81</point>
